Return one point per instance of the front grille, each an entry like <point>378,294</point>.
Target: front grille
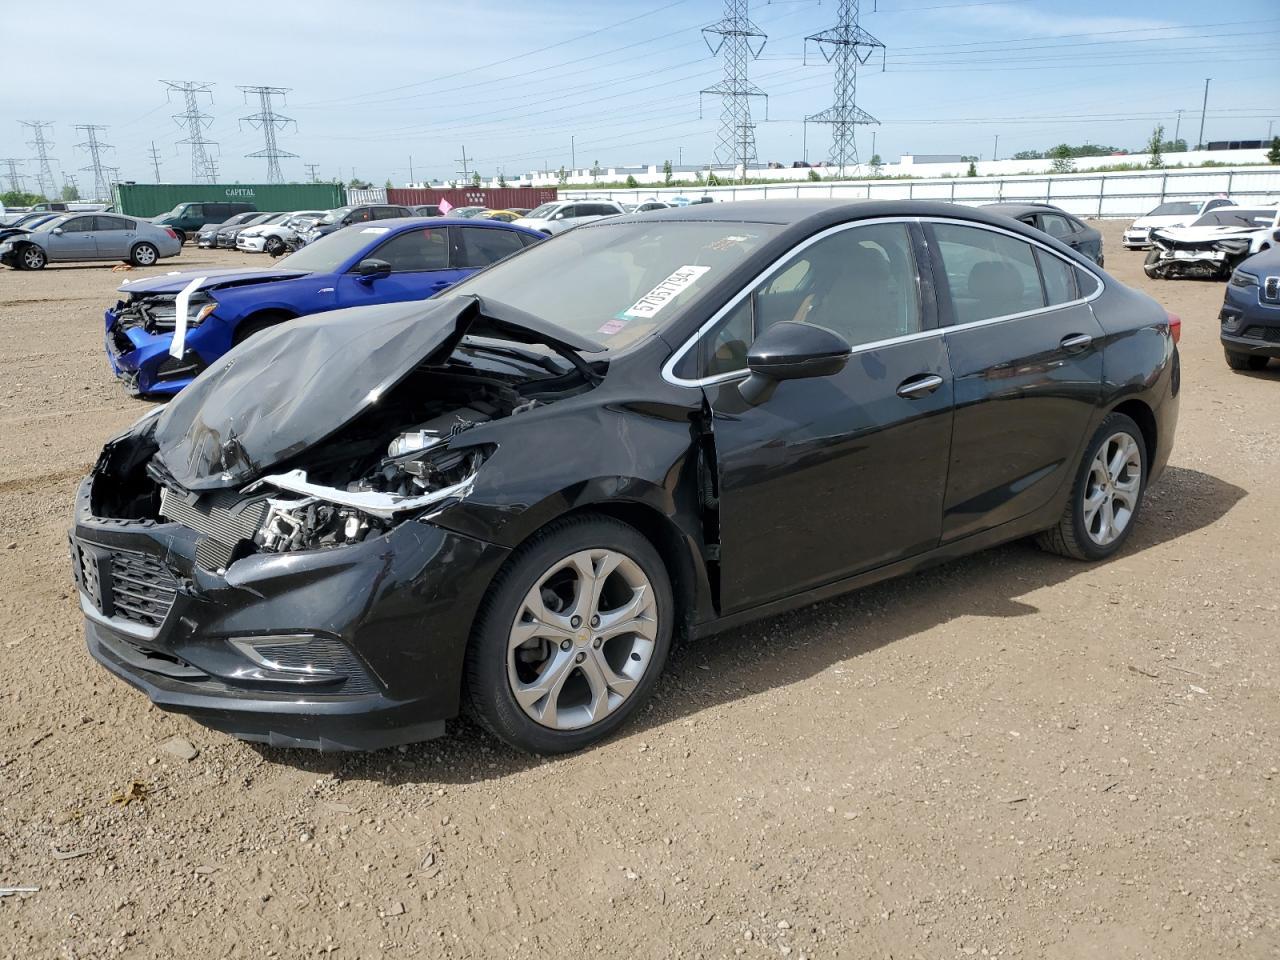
<point>1269,334</point>
<point>142,588</point>
<point>223,516</point>
<point>322,655</point>
<point>1271,289</point>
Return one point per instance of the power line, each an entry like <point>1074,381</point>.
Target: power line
<point>741,42</point>
<point>466,175</point>
<point>849,46</point>
<point>311,171</point>
<point>94,147</point>
<point>44,173</point>
<point>195,122</point>
<point>267,120</point>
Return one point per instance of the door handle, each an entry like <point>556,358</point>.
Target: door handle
<point>1076,341</point>
<point>918,386</point>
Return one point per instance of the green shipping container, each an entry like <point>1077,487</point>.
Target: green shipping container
<point>153,199</point>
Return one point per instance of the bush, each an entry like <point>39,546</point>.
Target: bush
<point>814,175</point>
<point>631,182</point>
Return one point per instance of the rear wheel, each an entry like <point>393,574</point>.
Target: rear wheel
<point>181,235</point>
<point>32,257</point>
<point>143,255</point>
<point>1245,361</point>
<point>571,637</point>
<point>1106,496</point>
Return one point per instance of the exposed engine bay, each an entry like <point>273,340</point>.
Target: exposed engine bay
<point>157,313</point>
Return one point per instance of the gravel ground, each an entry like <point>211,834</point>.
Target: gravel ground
<point>1014,755</point>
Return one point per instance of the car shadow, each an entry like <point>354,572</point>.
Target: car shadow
<point>792,647</point>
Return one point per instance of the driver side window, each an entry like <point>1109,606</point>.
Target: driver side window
<point>860,282</point>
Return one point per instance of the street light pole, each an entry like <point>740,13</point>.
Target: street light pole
<point>1203,107</point>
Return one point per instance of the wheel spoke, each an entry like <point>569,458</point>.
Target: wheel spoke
<point>1116,464</point>
<point>1091,505</point>
<point>546,687</point>
<point>598,681</point>
<point>536,621</point>
<point>632,617</point>
<point>593,569</point>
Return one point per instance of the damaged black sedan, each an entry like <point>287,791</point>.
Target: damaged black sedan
<point>659,426</point>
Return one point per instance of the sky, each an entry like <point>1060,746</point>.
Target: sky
<point>538,84</point>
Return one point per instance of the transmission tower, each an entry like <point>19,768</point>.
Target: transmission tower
<point>267,120</point>
<point>155,160</point>
<point>94,147</point>
<point>16,181</point>
<point>195,123</point>
<point>741,41</point>
<point>848,46</point>
<point>70,180</point>
<point>44,173</point>
<point>311,171</point>
<point>464,172</point>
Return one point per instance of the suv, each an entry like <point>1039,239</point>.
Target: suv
<point>560,215</point>
<point>187,218</point>
<point>346,216</point>
<point>1250,314</point>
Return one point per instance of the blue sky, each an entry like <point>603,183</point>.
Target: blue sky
<point>377,82</point>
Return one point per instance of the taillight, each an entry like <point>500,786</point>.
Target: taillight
<point>1175,326</point>
<point>171,232</point>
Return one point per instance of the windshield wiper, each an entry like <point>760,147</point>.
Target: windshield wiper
<point>539,360</point>
<point>512,323</point>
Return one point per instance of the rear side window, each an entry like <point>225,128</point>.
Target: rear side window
<point>1059,278</point>
<point>416,250</point>
<point>113,223</point>
<point>480,246</point>
<point>989,274</point>
<point>1055,225</point>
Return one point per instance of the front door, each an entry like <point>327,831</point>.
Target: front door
<point>1026,354</point>
<point>832,476</point>
<point>420,268</point>
<point>75,242</point>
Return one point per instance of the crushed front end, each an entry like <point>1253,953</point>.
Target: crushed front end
<point>1198,257</point>
<point>139,333</point>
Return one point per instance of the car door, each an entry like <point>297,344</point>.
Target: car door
<point>834,475</point>
<point>1025,353</point>
<point>420,268</point>
<point>76,241</point>
<point>476,247</point>
<point>114,237</point>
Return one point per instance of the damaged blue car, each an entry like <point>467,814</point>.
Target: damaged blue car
<point>169,328</point>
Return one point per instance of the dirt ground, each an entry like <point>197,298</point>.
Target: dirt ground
<point>1014,755</point>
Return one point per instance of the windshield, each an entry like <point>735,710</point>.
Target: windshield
<point>330,252</point>
<point>333,216</point>
<point>542,212</point>
<point>619,283</point>
<point>1178,209</point>
<point>48,225</point>
<point>1223,217</point>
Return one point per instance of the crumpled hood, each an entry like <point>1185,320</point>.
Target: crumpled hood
<point>293,385</point>
<point>1154,223</point>
<point>174,282</point>
<point>1194,234</point>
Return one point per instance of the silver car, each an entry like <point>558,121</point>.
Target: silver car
<point>90,236</point>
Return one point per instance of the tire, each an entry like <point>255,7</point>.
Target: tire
<point>1082,535</point>
<point>32,257</point>
<point>1245,361</point>
<point>594,686</point>
<point>1151,265</point>
<point>274,246</point>
<point>144,255</point>
<point>182,237</point>
<point>256,325</point>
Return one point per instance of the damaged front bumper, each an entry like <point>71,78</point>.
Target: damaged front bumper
<point>141,360</point>
<point>353,647</point>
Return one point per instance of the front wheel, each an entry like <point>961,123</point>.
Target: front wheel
<point>1106,496</point>
<point>275,246</point>
<point>1152,266</point>
<point>32,257</point>
<point>571,637</point>
<point>1245,361</point>
<point>144,255</point>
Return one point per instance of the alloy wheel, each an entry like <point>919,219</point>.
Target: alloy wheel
<point>33,258</point>
<point>582,640</point>
<point>1111,493</point>
<point>144,255</point>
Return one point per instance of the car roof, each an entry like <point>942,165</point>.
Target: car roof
<point>398,222</point>
<point>1019,209</point>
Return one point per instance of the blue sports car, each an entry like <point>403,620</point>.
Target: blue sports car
<point>368,263</point>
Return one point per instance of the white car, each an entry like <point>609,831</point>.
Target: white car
<point>1215,243</point>
<point>273,236</point>
<point>1174,213</point>
<point>644,206</point>
<point>560,215</point>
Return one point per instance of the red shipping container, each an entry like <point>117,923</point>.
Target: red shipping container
<point>495,198</point>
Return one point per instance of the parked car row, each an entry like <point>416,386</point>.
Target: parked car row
<point>70,237</point>
<point>658,423</point>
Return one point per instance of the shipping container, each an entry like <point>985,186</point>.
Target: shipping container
<point>495,198</point>
<point>153,199</point>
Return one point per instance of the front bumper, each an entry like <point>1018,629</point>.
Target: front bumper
<point>141,360</point>
<point>387,621</point>
<point>1137,239</point>
<point>251,244</point>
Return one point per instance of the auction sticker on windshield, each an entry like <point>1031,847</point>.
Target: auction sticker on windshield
<point>657,298</point>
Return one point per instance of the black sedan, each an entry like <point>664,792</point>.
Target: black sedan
<point>650,428</point>
<point>1059,224</point>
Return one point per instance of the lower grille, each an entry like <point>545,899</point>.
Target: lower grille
<point>142,588</point>
<point>1269,334</point>
<point>223,516</point>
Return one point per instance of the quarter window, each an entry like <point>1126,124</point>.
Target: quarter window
<point>1056,226</point>
<point>416,250</point>
<point>989,274</point>
<point>1059,278</point>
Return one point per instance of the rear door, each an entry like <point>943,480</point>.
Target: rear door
<point>475,247</point>
<point>835,475</point>
<point>1025,351</point>
<point>114,236</point>
<point>77,240</point>
<point>420,268</point>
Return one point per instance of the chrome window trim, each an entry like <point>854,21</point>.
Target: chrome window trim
<point>668,368</point>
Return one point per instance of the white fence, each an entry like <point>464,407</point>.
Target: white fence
<point>1121,194</point>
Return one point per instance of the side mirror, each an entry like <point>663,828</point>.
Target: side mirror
<point>558,216</point>
<point>56,231</point>
<point>791,351</point>
<point>370,270</point>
